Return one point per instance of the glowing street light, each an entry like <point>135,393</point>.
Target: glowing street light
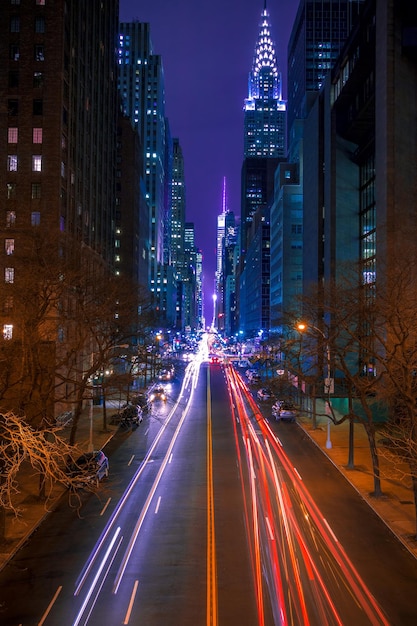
<point>328,381</point>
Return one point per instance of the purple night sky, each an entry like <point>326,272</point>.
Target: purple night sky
<point>207,50</point>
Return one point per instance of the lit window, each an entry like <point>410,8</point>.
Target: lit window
<point>12,134</point>
<point>10,218</point>
<point>37,135</point>
<point>35,218</point>
<point>7,331</point>
<point>9,274</point>
<point>9,246</point>
<point>36,163</point>
<point>12,162</point>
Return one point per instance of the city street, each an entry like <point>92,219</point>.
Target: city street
<point>212,515</point>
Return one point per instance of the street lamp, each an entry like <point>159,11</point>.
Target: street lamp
<point>91,408</point>
<point>328,381</point>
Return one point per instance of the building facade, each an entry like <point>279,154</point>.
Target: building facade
<point>142,92</point>
<point>58,121</point>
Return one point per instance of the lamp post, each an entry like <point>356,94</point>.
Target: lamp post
<point>91,411</point>
<point>328,381</point>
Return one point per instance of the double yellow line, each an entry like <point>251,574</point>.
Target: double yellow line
<point>211,608</point>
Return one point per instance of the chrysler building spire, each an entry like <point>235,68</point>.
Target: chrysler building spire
<point>264,108</point>
<point>265,60</point>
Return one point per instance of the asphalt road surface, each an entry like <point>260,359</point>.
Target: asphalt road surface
<point>212,515</point>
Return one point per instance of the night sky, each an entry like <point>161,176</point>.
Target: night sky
<point>207,50</point>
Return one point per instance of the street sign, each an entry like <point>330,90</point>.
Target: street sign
<point>329,385</point>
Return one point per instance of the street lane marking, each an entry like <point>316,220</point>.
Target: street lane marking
<point>50,605</point>
<point>103,510</point>
<point>211,608</point>
<point>132,599</point>
<point>157,505</point>
<point>131,459</point>
<point>97,576</point>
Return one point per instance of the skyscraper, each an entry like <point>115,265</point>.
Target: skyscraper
<point>59,102</point>
<point>264,148</point>
<point>264,107</point>
<point>177,228</point>
<point>264,127</point>
<point>319,32</point>
<point>142,90</point>
<point>59,110</point>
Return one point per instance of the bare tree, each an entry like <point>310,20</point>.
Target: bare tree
<point>334,349</point>
<point>45,450</point>
<point>66,311</point>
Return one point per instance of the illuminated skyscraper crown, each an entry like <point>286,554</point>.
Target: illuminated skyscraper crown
<point>265,61</point>
<point>265,55</point>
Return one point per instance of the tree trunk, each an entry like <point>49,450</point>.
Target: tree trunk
<point>377,492</point>
<point>42,486</point>
<point>103,391</point>
<point>74,424</point>
<point>2,524</point>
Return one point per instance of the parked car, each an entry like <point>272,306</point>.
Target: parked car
<point>285,411</point>
<point>142,400</point>
<point>89,468</point>
<point>253,377</point>
<point>128,415</point>
<point>132,413</point>
<point>64,419</point>
<point>264,394</point>
<point>157,393</point>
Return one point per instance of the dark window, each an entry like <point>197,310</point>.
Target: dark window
<point>14,52</point>
<point>37,79</point>
<point>38,107</point>
<point>39,53</point>
<point>11,190</point>
<point>36,191</point>
<point>39,25</point>
<point>14,24</point>
<point>13,79</point>
<point>13,107</point>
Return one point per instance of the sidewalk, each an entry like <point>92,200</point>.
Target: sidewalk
<point>34,511</point>
<point>396,506</point>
